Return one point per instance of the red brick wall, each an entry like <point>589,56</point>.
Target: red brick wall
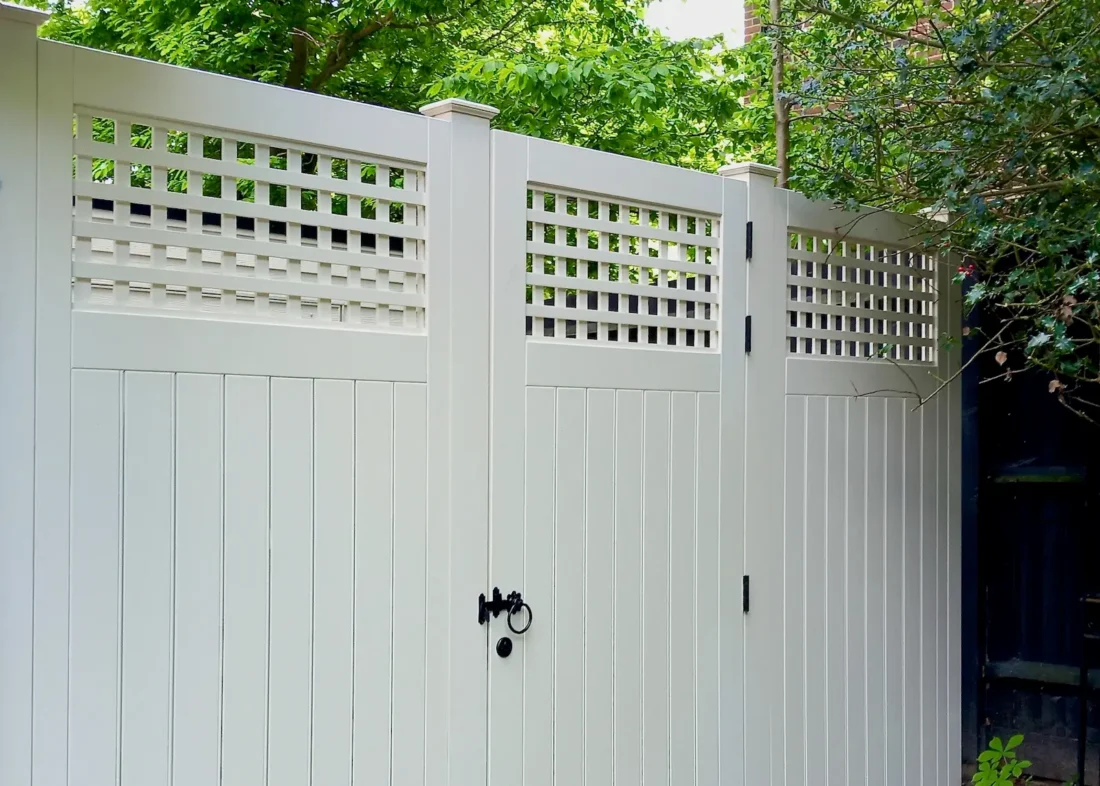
<point>752,21</point>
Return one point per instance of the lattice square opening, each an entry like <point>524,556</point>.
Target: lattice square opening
<point>208,223</point>
<point>849,298</point>
<point>611,271</point>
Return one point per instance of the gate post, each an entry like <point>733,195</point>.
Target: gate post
<point>765,367</point>
<point>458,435</point>
<point>18,129</point>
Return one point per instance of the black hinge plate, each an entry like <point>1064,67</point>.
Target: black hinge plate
<point>748,333</point>
<point>745,594</point>
<point>748,241</point>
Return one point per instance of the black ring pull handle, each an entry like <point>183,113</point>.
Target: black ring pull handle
<point>516,609</point>
<point>513,605</point>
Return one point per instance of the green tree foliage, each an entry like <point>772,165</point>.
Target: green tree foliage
<point>587,72</point>
<point>983,111</point>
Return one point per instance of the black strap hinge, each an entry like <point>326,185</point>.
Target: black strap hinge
<point>748,241</point>
<point>748,333</point>
<point>745,594</point>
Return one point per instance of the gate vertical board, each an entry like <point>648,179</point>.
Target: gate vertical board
<point>94,576</point>
<point>599,617</point>
<point>722,757</point>
<point>301,378</point>
<point>627,664</point>
<point>246,601</point>
<point>198,553</point>
<point>334,562</point>
<point>509,412</point>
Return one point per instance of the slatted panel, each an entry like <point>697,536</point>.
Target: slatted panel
<point>708,567</point>
<point>848,298</point>
<point>815,622</point>
<point>569,587</point>
<point>246,596</point>
<point>196,705</point>
<point>204,223</point>
<point>895,589</point>
<point>147,524</point>
<point>599,611</point>
<point>538,643</point>
<point>911,595</point>
<point>856,588</point>
<point>862,603</point>
<point>794,592</point>
<point>611,271</point>
<point>628,586</point>
<point>291,566</point>
<point>410,536</point>
<point>229,536</point>
<point>655,587</point>
<point>876,589</point>
<point>947,560</point>
<point>836,599</point>
<point>333,581</point>
<point>621,541</point>
<point>373,644</point>
<point>929,591</point>
<point>682,587</point>
<point>95,581</point>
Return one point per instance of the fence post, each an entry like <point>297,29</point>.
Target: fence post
<point>53,375</point>
<point>459,177</point>
<point>765,368</point>
<point>949,322</point>
<point>18,130</point>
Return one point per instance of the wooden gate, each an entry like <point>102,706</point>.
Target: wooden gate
<point>617,449</point>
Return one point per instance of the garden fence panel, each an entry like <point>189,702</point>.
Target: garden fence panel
<point>290,381</point>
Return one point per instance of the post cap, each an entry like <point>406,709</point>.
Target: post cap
<point>749,168</point>
<point>459,106</point>
<point>20,13</point>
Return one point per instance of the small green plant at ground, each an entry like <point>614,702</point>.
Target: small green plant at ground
<point>999,764</point>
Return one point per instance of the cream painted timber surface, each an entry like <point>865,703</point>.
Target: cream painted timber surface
<point>615,497</point>
<point>237,541</point>
<point>245,548</point>
<point>234,523</point>
<point>18,348</point>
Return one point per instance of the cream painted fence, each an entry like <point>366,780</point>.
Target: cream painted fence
<point>288,382</point>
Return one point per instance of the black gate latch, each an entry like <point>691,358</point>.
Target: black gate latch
<point>512,605</point>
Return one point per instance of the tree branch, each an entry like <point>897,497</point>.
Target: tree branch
<point>299,59</point>
<point>854,22</point>
<point>1034,21</point>
<point>345,49</point>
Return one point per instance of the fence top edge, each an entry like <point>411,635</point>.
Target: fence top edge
<point>22,14</point>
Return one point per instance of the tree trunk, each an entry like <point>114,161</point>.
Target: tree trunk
<point>782,110</point>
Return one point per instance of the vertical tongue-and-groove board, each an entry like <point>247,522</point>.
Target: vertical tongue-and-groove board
<point>236,545</point>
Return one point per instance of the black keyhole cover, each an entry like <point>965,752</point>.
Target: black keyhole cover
<point>504,647</point>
